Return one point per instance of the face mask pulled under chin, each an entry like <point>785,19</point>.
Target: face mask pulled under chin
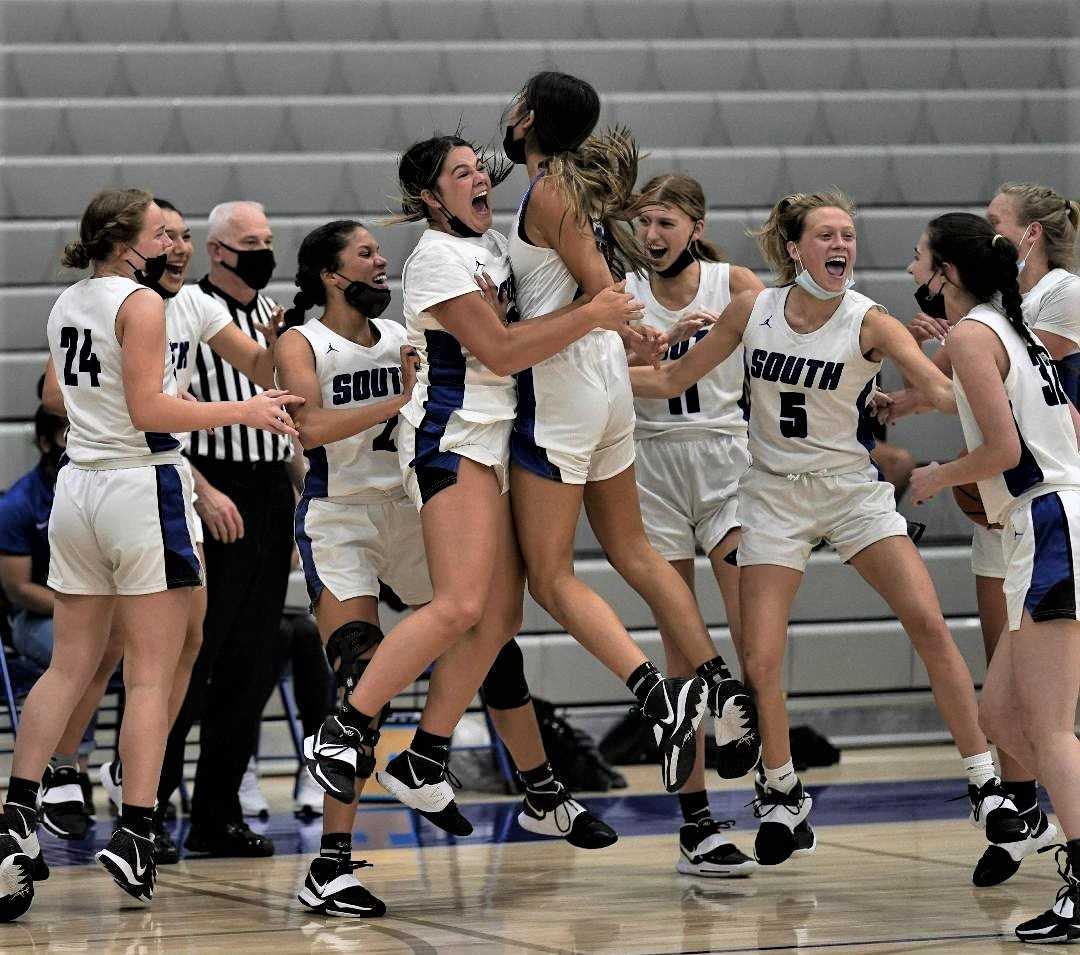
<point>254,267</point>
<point>930,303</point>
<point>806,282</point>
<point>1020,263</point>
<point>368,300</point>
<point>152,270</point>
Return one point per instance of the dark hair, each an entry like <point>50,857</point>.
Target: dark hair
<point>593,174</point>
<point>984,261</point>
<point>319,252</point>
<point>167,206</point>
<point>46,425</point>
<point>113,216</point>
<point>422,163</point>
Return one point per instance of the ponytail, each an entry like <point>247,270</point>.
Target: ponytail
<point>112,217</point>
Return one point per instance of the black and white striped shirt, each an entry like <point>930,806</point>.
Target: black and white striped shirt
<point>216,380</point>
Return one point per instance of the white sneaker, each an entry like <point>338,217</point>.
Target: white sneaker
<point>309,796</point>
<point>252,801</point>
<point>111,784</point>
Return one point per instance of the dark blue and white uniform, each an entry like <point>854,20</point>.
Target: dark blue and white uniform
<point>1037,502</point>
<point>459,408</point>
<point>809,438</point>
<point>354,525</point>
<point>122,517</point>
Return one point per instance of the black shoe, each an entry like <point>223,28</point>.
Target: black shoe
<point>557,813</point>
<point>704,851</point>
<point>992,809</point>
<point>22,823</point>
<point>781,814</point>
<point>16,880</point>
<point>166,851</point>
<point>331,889</point>
<point>735,724</point>
<point>129,859</point>
<point>1060,922</point>
<point>999,863</point>
<point>234,840</point>
<point>427,786</point>
<point>63,812</point>
<point>674,708</point>
<point>338,754</point>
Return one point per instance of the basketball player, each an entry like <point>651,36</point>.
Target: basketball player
<point>453,443</point>
<point>191,317</point>
<point>1021,433</point>
<point>1042,225</point>
<point>813,347</point>
<point>691,451</point>
<point>573,439</point>
<point>121,530</point>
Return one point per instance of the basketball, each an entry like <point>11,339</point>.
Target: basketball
<point>968,499</point>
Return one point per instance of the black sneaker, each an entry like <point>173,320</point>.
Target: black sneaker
<point>999,863</point>
<point>166,851</point>
<point>331,889</point>
<point>1060,922</point>
<point>235,840</point>
<point>338,754</point>
<point>129,859</point>
<point>781,814</point>
<point>675,707</point>
<point>16,880</point>
<point>992,809</point>
<point>427,786</point>
<point>22,823</point>
<point>704,851</point>
<point>63,812</point>
<point>557,813</point>
<point>735,724</point>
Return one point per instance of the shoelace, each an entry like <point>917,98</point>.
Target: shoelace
<point>757,802</point>
<point>1064,867</point>
<point>710,827</point>
<point>352,865</point>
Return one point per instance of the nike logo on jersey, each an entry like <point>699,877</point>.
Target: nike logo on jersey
<point>330,348</point>
<point>796,370</point>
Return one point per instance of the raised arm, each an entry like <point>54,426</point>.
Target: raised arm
<point>140,329</point>
<point>317,424</point>
<point>883,334</point>
<point>674,377</point>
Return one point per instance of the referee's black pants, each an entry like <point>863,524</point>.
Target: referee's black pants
<point>236,669</point>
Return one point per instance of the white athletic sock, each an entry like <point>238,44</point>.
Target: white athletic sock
<point>979,768</point>
<point>782,779</point>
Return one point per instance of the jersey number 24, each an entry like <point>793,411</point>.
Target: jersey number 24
<point>88,361</point>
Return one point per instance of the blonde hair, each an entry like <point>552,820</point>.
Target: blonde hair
<point>1058,216</point>
<point>596,184</point>
<point>684,193</point>
<point>112,217</point>
<point>785,224</point>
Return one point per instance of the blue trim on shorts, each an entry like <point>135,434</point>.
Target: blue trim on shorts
<point>315,586</point>
<point>1052,594</point>
<point>524,451</point>
<point>181,563</point>
<point>1069,373</point>
<point>446,394</point>
<point>1027,472</point>
<point>317,481</point>
<point>158,441</point>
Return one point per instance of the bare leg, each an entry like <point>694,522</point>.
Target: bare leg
<point>677,664</point>
<point>88,704</point>
<point>993,617</point>
<point>727,579</point>
<point>518,729</point>
<point>192,643</point>
<point>999,708</point>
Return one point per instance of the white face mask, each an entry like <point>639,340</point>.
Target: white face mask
<point>1020,263</point>
<point>806,282</point>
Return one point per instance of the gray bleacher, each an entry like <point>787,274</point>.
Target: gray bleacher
<point>913,106</point>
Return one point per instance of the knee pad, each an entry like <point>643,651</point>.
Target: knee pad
<point>505,687</point>
<point>349,649</point>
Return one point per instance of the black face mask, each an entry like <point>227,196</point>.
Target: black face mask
<point>931,304</point>
<point>458,227</point>
<point>165,293</point>
<point>254,267</point>
<point>368,300</point>
<point>514,148</point>
<point>680,265</point>
<point>152,269</point>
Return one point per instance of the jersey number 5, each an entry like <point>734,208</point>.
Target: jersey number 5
<point>88,361</point>
<point>793,423</point>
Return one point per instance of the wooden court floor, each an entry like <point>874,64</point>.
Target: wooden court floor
<point>875,887</point>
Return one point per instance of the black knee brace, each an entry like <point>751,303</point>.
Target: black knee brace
<point>349,649</point>
<point>505,687</point>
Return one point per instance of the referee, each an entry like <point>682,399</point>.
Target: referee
<point>245,498</point>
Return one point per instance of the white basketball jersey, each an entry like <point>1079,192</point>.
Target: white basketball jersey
<point>713,403</point>
<point>1053,304</point>
<point>452,383</point>
<point>363,469</point>
<point>808,392</point>
<point>191,317</point>
<point>87,358</point>
<point>543,282</point>
<point>1049,459</point>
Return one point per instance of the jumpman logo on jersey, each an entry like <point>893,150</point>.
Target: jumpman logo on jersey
<point>766,323</point>
<point>330,347</point>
